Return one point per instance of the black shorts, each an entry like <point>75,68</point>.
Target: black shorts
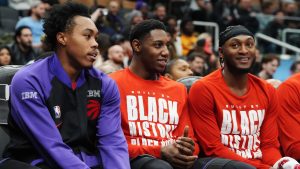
<point>150,162</point>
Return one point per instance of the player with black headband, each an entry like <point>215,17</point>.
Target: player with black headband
<point>234,113</point>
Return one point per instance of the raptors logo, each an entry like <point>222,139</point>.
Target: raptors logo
<point>93,109</point>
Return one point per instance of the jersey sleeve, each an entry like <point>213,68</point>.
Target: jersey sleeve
<point>207,131</point>
<point>136,150</point>
<point>269,131</point>
<point>30,113</point>
<point>111,141</point>
<point>289,119</point>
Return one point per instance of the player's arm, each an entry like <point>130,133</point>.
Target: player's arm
<point>289,119</point>
<point>269,143</point>
<point>111,141</point>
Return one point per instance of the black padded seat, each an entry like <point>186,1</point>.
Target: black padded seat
<point>6,75</point>
<point>188,81</point>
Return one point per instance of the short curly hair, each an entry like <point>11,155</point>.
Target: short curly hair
<point>60,19</point>
<point>144,28</point>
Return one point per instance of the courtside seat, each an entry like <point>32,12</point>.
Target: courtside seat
<point>188,81</point>
<point>6,75</point>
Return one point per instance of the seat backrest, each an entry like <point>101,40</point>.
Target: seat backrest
<point>8,13</point>
<point>6,75</point>
<point>8,25</point>
<point>188,81</point>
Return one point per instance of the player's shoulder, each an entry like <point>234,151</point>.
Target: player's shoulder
<point>118,74</point>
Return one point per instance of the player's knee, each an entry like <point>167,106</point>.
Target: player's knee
<point>237,164</point>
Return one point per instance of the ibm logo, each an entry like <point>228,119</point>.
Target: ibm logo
<point>93,93</point>
<point>29,95</point>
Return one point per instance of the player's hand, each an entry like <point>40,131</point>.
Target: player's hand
<point>184,161</point>
<point>185,144</point>
<point>172,154</point>
<point>180,153</point>
<point>169,152</point>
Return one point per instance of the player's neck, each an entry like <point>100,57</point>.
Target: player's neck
<point>141,71</point>
<point>70,68</point>
<point>238,83</point>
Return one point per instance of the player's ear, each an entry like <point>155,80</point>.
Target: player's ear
<point>221,55</point>
<point>220,51</point>
<point>61,38</point>
<point>136,45</point>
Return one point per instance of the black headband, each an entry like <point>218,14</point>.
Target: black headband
<point>232,31</point>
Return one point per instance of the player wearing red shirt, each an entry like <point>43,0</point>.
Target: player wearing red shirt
<point>151,112</point>
<point>289,117</point>
<point>233,112</point>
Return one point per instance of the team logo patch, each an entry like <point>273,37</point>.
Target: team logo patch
<point>93,109</point>
<point>57,112</point>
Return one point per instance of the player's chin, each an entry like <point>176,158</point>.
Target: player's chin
<point>245,69</point>
<point>87,65</point>
<point>160,70</point>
